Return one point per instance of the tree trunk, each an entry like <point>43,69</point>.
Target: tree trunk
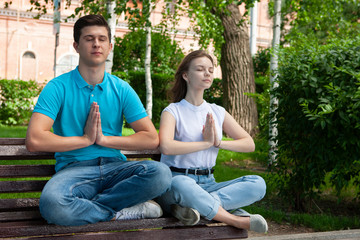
<point>237,71</point>
<point>148,81</point>
<point>110,7</point>
<point>273,132</point>
<point>253,28</point>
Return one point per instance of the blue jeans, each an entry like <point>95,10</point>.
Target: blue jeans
<point>204,194</point>
<point>94,190</point>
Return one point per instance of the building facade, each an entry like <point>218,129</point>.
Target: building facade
<point>28,45</point>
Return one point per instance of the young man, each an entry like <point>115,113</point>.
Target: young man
<point>85,108</point>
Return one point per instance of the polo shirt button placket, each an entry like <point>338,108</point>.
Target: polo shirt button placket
<point>91,98</point>
<point>94,95</point>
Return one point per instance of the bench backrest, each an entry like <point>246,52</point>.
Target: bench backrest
<point>19,178</point>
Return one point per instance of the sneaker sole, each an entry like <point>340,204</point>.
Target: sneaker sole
<point>157,215</point>
<point>188,216</point>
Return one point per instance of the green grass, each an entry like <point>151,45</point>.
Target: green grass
<point>12,131</point>
<point>318,222</point>
<point>20,131</point>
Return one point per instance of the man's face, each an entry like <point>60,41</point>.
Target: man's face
<point>94,46</point>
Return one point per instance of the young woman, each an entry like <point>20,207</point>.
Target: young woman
<point>190,138</point>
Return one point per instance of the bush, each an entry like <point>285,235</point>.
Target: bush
<point>214,94</point>
<point>129,53</point>
<point>160,84</point>
<point>261,63</point>
<point>17,101</point>
<point>318,118</point>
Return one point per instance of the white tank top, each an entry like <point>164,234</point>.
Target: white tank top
<point>190,120</point>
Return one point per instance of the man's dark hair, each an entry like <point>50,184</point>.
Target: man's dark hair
<point>90,20</point>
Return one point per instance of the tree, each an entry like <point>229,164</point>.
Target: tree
<point>166,55</point>
<point>110,7</point>
<point>273,84</point>
<point>318,20</point>
<point>147,12</point>
<point>222,24</point>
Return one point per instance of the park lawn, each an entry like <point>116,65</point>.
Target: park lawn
<point>20,131</point>
<point>12,131</point>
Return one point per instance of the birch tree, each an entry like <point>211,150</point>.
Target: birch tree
<point>273,84</point>
<point>147,9</point>
<point>110,7</point>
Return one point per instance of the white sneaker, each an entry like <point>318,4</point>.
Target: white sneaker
<point>149,209</point>
<point>240,212</point>
<point>258,223</point>
<point>188,216</point>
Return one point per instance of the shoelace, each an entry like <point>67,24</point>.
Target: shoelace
<point>129,215</point>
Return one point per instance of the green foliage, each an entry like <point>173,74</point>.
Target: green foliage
<point>129,53</point>
<point>214,94</point>
<point>205,19</point>
<point>261,62</point>
<point>17,101</point>
<point>161,84</point>
<point>318,118</point>
<point>318,20</point>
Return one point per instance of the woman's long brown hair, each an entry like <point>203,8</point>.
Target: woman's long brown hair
<point>180,88</point>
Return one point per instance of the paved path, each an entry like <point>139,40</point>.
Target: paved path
<point>343,235</point>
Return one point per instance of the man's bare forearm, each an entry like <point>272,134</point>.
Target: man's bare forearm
<point>138,141</point>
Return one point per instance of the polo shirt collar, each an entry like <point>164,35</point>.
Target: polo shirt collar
<point>105,81</point>
<point>81,83</point>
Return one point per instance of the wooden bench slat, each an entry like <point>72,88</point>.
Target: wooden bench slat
<point>12,141</point>
<point>22,186</point>
<point>18,203</point>
<point>9,152</point>
<point>35,228</point>
<point>220,232</point>
<point>20,216</point>
<point>7,171</point>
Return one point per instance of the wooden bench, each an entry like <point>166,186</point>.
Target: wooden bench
<point>20,217</point>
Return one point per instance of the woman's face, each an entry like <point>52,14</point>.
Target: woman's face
<point>200,74</point>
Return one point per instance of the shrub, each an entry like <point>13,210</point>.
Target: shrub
<point>261,62</point>
<point>17,101</point>
<point>214,94</point>
<point>160,84</point>
<point>129,53</point>
<point>318,118</point>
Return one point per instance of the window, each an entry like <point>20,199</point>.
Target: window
<point>28,54</point>
<point>28,66</point>
<point>170,7</point>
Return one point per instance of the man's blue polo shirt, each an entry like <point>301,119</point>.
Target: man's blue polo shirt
<point>67,100</point>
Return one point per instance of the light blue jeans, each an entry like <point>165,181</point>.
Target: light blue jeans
<point>204,194</point>
<point>91,191</point>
